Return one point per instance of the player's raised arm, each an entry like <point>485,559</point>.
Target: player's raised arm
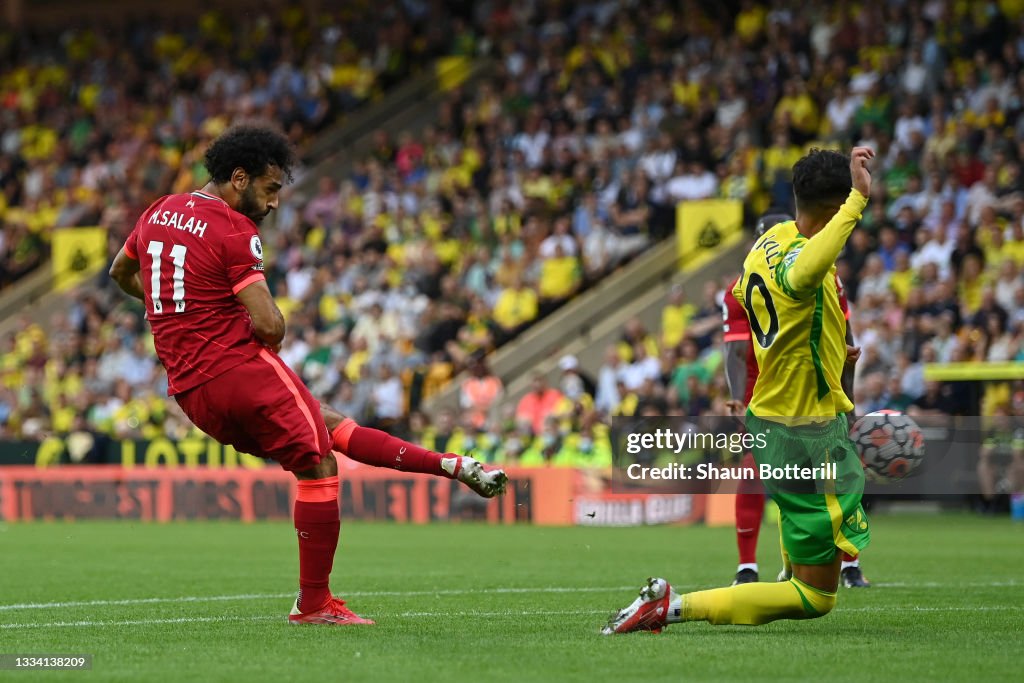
<point>802,269</point>
<point>267,319</point>
<point>125,272</point>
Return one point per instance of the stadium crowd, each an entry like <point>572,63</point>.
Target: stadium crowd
<point>99,121</point>
<point>445,243</point>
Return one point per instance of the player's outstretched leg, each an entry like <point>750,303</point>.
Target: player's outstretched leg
<point>380,449</point>
<point>317,524</point>
<point>851,574</point>
<point>748,604</point>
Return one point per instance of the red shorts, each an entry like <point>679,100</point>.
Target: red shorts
<point>262,408</point>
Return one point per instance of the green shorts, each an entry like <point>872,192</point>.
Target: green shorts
<point>819,513</point>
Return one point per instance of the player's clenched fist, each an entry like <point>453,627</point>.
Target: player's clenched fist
<point>859,159</point>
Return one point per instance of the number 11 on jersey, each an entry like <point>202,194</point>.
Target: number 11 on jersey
<point>178,251</point>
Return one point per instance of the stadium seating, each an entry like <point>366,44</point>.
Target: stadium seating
<point>101,120</point>
<point>447,242</point>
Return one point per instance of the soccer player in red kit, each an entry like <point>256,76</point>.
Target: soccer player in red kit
<point>196,261</point>
<point>741,375</point>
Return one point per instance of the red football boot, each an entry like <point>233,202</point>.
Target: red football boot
<point>334,613</point>
<point>649,612</point>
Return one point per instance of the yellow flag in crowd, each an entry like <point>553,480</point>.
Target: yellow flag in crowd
<point>703,226</point>
<point>78,253</point>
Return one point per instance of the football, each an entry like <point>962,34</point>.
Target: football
<point>890,444</point>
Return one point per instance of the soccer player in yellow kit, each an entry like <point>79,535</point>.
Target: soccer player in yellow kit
<point>788,289</point>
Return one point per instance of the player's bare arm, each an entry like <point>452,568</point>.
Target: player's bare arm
<point>125,272</point>
<point>736,375</point>
<point>852,356</point>
<point>267,319</point>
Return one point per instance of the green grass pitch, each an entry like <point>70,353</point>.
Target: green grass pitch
<point>207,602</point>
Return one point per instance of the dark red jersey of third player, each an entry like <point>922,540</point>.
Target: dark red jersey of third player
<point>737,328</point>
<point>195,255</point>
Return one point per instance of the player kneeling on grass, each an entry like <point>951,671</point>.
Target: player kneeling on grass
<point>788,288</point>
<point>741,376</point>
<point>196,261</point>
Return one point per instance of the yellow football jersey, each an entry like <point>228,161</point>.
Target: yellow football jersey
<point>788,288</point>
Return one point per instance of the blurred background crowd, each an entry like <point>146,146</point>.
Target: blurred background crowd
<point>569,160</point>
<point>101,120</point>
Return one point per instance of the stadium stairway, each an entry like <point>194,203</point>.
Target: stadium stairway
<point>585,326</point>
<point>409,106</point>
<point>23,297</point>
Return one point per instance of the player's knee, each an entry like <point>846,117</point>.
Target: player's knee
<point>327,467</point>
<point>824,603</point>
<point>818,603</point>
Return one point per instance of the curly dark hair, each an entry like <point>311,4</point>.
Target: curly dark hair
<point>821,180</point>
<point>251,146</point>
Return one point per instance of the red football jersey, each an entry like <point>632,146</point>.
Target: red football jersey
<point>196,254</point>
<point>737,328</point>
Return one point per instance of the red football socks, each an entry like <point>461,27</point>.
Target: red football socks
<point>380,449</point>
<point>749,512</point>
<point>317,523</point>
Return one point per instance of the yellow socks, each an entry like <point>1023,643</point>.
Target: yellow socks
<point>787,567</point>
<point>753,603</point>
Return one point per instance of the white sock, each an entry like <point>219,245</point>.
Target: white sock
<point>855,563</point>
<point>449,465</point>
<point>675,610</point>
<point>748,565</point>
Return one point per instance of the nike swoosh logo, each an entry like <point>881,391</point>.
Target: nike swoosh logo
<point>744,531</point>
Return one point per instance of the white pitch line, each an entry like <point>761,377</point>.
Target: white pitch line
<point>507,613</point>
<point>276,596</point>
<point>913,608</point>
<point>935,584</point>
<point>455,591</point>
<point>145,601</point>
<point>208,620</point>
<point>136,622</point>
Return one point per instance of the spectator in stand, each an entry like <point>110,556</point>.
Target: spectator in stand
<point>935,402</point>
<point>323,208</point>
<point>607,396</point>
<point>675,317</point>
<point>515,308</point>
<point>388,398</point>
<point>575,384</point>
<point>539,403</point>
<point>480,393</point>
<point>560,277</point>
<point>691,181</point>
